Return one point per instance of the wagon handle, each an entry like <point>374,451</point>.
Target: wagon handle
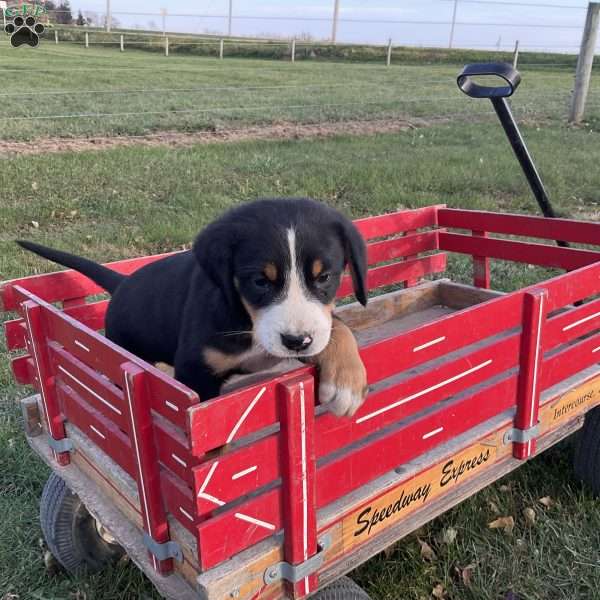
<point>510,78</point>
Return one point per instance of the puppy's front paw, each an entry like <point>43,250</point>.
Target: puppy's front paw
<point>344,389</point>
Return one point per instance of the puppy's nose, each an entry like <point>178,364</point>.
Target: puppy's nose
<point>296,342</point>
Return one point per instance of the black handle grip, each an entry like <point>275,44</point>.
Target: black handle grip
<point>509,76</point>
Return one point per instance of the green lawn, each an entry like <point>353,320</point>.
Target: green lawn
<point>133,201</point>
<point>66,90</point>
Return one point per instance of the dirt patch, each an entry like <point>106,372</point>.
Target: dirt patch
<point>181,139</point>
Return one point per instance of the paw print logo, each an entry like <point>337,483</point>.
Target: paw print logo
<point>24,31</point>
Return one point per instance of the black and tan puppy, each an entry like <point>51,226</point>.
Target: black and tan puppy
<point>257,287</point>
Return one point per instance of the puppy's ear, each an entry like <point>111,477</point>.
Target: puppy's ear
<point>213,249</point>
<point>355,254</point>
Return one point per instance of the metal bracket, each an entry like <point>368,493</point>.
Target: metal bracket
<point>63,445</point>
<point>296,573</point>
<point>163,551</point>
<point>521,436</point>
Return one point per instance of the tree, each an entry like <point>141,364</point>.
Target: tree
<point>80,20</point>
<point>63,13</point>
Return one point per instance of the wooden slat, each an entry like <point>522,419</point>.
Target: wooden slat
<point>102,431</point>
<point>525,252</point>
<point>23,369</point>
<point>15,332</point>
<point>179,500</point>
<point>568,288</point>
<point>223,536</point>
<point>584,232</point>
<point>96,391</point>
<point>397,272</point>
<point>53,287</point>
<point>389,356</point>
<point>394,223</point>
<point>233,416</point>
<point>571,360</point>
<point>572,324</point>
<point>406,246</point>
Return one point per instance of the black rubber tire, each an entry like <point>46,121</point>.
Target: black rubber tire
<point>70,530</point>
<point>587,452</point>
<point>342,589</point>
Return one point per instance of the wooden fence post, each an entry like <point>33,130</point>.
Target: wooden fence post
<point>388,60</point>
<point>87,40</point>
<point>122,43</point>
<point>585,63</point>
<point>298,476</point>
<point>166,46</point>
<point>516,55</point>
<point>221,47</point>
<point>294,50</point>
<point>528,387</point>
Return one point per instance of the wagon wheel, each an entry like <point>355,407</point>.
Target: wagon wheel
<point>587,451</point>
<point>342,589</point>
<point>72,534</point>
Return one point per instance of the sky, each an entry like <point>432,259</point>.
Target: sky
<point>538,24</point>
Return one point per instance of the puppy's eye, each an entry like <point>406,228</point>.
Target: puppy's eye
<point>323,277</point>
<point>261,282</point>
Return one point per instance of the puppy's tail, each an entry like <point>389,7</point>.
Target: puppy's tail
<point>106,278</point>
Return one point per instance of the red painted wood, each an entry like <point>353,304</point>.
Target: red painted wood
<point>239,528</point>
<point>568,288</point>
<point>179,500</point>
<point>540,227</point>
<point>174,450</point>
<point>395,354</point>
<point>365,463</point>
<point>146,458</point>
<point>412,282</point>
<point>481,266</point>
<point>397,273</point>
<point>394,223</point>
<point>169,397</point>
<point>236,473</point>
<point>23,370</point>
<point>95,390</point>
<point>15,332</point>
<point>571,360</point>
<point>404,247</point>
<point>297,456</point>
<point>36,326</point>
<point>525,252</point>
<point>100,430</point>
<point>223,536</point>
<point>572,324</point>
<point>53,287</point>
<point>407,397</point>
<point>531,354</point>
<point>232,416</point>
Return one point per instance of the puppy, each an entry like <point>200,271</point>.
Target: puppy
<point>257,287</point>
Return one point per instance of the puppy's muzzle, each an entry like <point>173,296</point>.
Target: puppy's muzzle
<point>296,343</point>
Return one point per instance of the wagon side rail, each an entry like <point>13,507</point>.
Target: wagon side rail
<point>482,247</point>
<point>133,412</point>
<point>429,385</point>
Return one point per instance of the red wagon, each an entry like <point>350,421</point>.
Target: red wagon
<point>259,493</point>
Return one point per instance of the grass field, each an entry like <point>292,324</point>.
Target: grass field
<point>132,201</point>
<point>66,90</point>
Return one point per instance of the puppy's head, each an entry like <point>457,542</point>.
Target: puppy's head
<point>283,260</point>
